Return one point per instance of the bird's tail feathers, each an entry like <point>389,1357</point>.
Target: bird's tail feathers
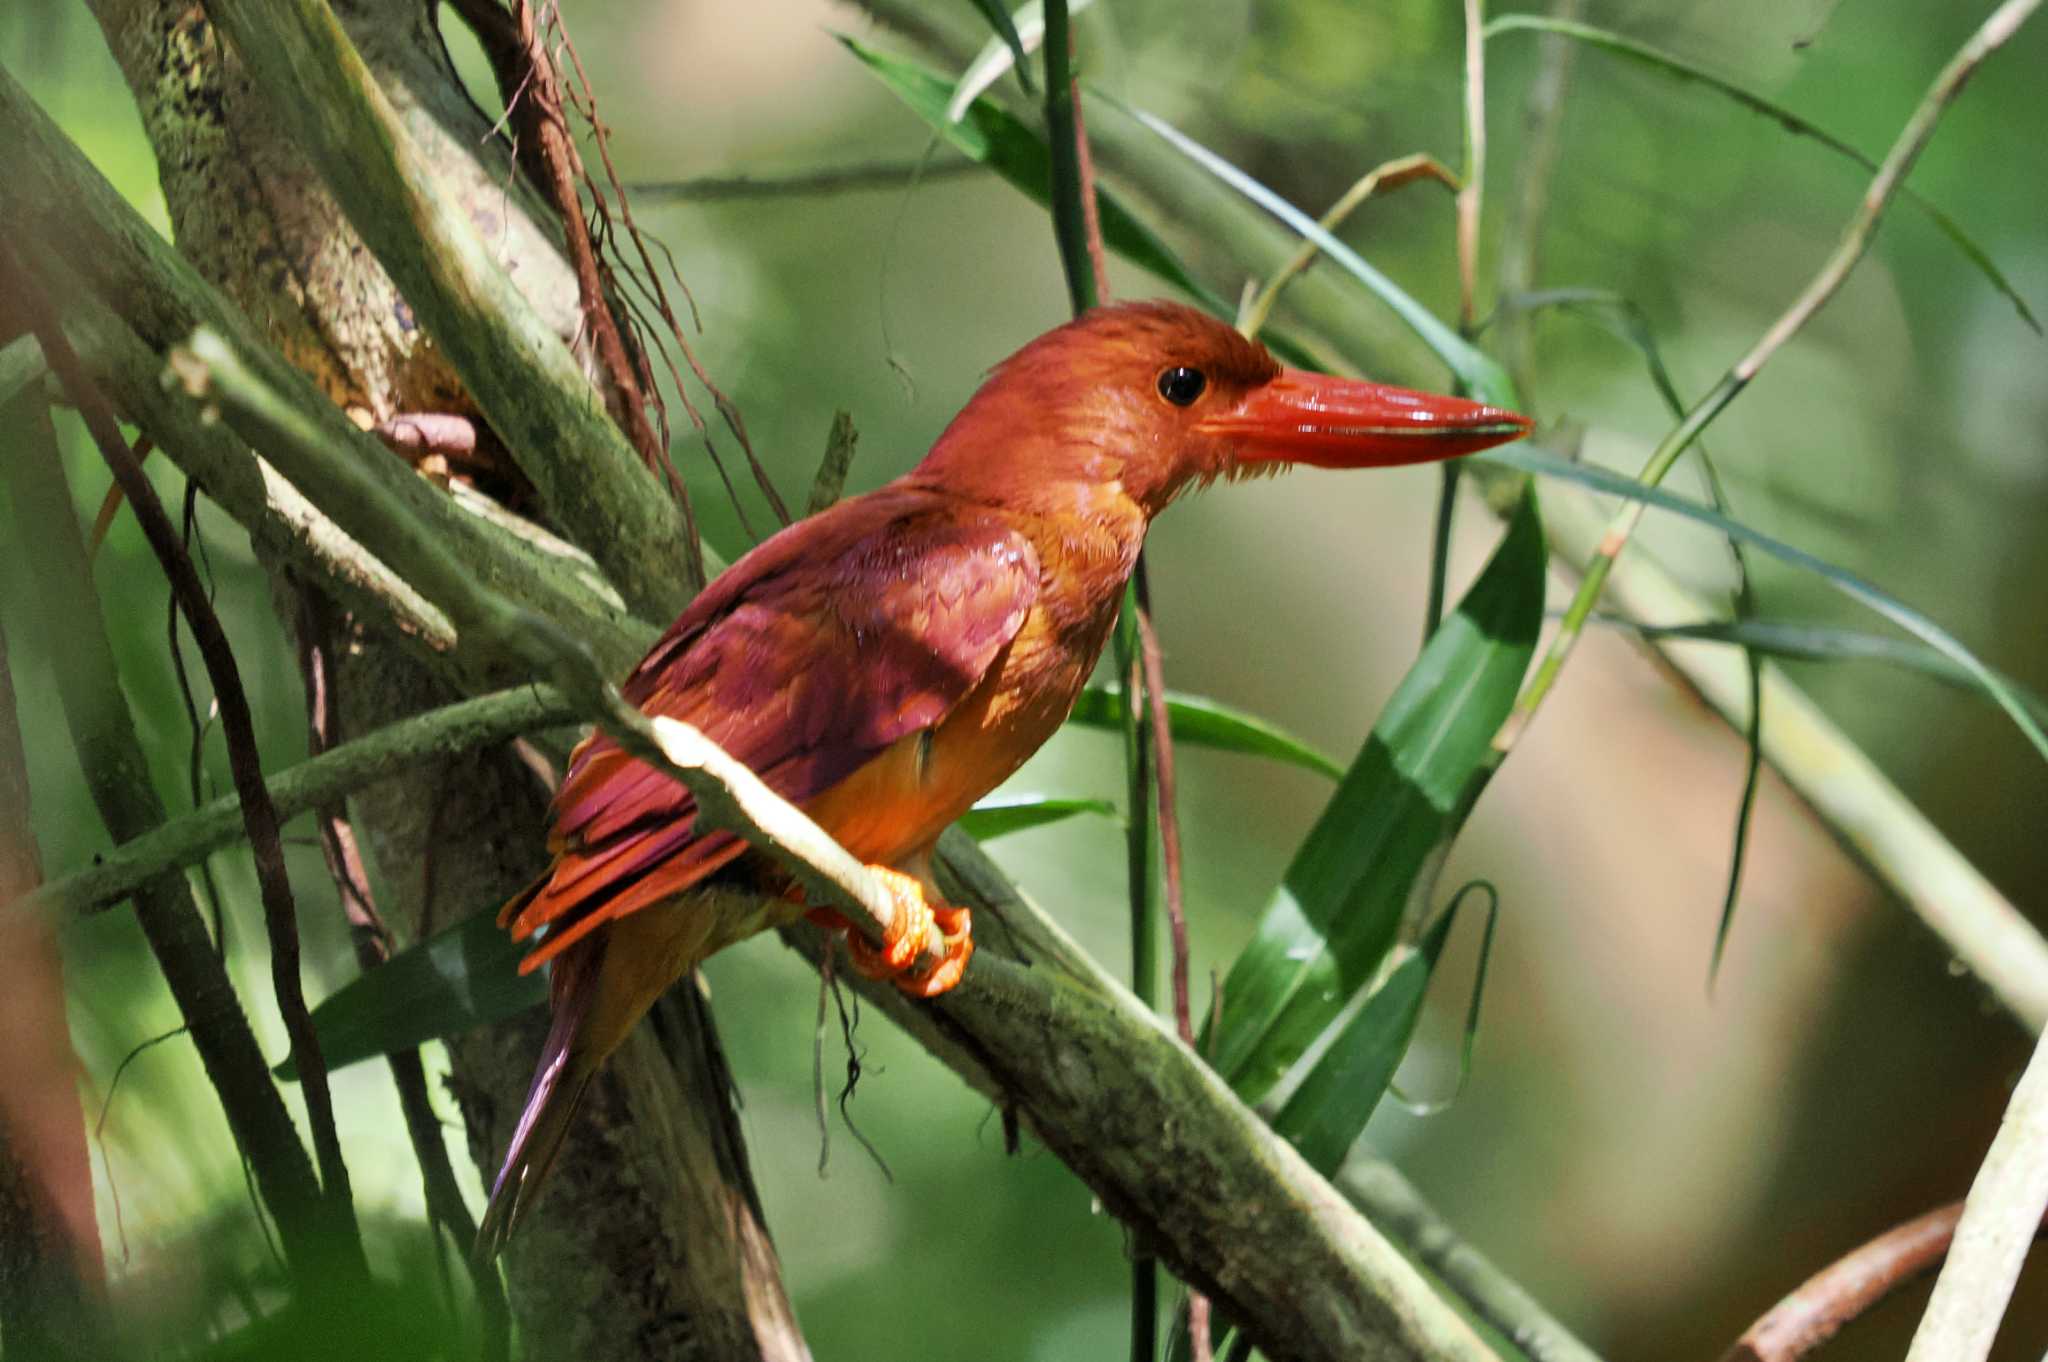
<point>559,1080</point>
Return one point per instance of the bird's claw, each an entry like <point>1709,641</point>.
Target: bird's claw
<point>911,931</point>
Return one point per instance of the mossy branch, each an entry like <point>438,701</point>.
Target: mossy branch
<point>511,362</point>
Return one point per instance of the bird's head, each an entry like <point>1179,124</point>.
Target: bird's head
<point>1154,397</point>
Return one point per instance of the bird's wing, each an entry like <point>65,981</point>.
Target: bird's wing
<point>805,660</point>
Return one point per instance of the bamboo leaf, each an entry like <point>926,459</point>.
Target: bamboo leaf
<point>461,977</point>
<point>1856,588</point>
<point>996,57</point>
<point>1198,721</point>
<point>1800,642</point>
<point>1006,33</point>
<point>1673,65</point>
<point>1327,932</point>
<point>1328,1111</point>
<point>1001,815</point>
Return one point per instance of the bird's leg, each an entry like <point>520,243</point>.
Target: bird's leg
<point>910,932</point>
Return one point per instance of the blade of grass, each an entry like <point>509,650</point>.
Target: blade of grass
<point>1001,815</point>
<point>996,57</point>
<point>1199,721</point>
<point>1006,32</point>
<point>1795,641</point>
<point>1673,65</point>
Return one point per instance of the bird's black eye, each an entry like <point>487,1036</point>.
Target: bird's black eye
<point>1181,385</point>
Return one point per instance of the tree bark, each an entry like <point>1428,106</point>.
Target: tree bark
<point>651,1244</point>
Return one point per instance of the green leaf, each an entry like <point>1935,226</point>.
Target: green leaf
<point>1198,721</point>
<point>1798,642</point>
<point>1327,932</point>
<point>997,57</point>
<point>462,977</point>
<point>1673,65</point>
<point>1327,1112</point>
<point>1627,320</point>
<point>1001,815</point>
<point>1848,583</point>
<point>1478,374</point>
<point>999,20</point>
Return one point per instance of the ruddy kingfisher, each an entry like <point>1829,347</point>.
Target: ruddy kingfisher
<point>887,662</point>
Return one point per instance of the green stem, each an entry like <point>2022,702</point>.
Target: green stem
<point>1069,220</point>
<point>437,734</point>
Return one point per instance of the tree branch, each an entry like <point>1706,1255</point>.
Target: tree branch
<point>128,298</point>
<point>187,840</point>
<point>2000,1218</point>
<point>512,363</point>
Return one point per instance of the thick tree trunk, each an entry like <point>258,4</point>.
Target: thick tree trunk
<point>650,1244</point>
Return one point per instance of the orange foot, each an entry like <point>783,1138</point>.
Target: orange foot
<point>911,931</point>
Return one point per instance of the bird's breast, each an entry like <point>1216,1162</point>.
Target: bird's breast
<point>892,809</point>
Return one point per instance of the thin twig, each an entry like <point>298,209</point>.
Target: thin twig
<point>586,104</point>
<point>1856,237</point>
<point>1472,193</point>
<point>448,731</point>
<point>1391,175</point>
<point>1091,211</point>
<point>280,914</point>
<point>1391,1202</point>
<point>1522,236</point>
<point>538,114</point>
<point>1169,821</point>
<point>801,183</point>
<point>1848,1288</point>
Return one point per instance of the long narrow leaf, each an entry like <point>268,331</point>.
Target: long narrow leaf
<point>463,977</point>
<point>1800,642</point>
<point>1329,927</point>
<point>1001,815</point>
<point>996,57</point>
<point>1848,583</point>
<point>1006,32</point>
<point>1672,65</point>
<point>1327,1112</point>
<point>1198,721</point>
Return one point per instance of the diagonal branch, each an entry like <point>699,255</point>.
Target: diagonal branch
<point>453,729</point>
<point>516,368</point>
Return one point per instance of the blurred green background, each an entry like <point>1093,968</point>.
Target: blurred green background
<point>1657,1163</point>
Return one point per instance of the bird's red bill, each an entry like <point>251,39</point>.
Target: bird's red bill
<point>1328,422</point>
